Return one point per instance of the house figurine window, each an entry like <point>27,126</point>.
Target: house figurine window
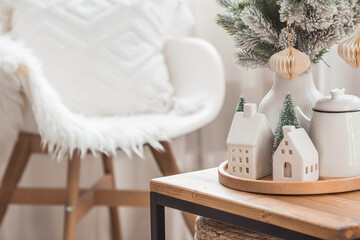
<point>287,170</point>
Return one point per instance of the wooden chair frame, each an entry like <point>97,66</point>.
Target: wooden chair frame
<point>78,202</point>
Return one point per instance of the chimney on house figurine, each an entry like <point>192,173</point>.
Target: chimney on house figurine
<point>249,110</point>
<point>287,129</point>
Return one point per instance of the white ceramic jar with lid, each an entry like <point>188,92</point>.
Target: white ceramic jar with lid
<point>335,131</point>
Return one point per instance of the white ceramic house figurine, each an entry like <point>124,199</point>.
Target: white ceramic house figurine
<point>249,144</point>
<point>296,159</point>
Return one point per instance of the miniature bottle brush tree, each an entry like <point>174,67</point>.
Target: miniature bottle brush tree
<point>287,118</point>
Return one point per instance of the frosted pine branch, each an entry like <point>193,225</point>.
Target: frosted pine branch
<point>291,10</point>
<point>284,37</point>
<point>246,39</point>
<point>227,21</point>
<point>325,8</point>
<point>227,3</point>
<point>250,60</point>
<point>261,26</point>
<point>312,20</point>
<point>258,27</point>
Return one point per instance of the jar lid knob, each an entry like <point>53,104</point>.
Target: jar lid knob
<point>337,93</point>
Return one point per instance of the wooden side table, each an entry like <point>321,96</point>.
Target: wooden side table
<point>335,216</point>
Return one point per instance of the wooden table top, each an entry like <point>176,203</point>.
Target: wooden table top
<point>335,216</point>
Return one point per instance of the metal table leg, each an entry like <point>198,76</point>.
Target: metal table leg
<point>157,219</point>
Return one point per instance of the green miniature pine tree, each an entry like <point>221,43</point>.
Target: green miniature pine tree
<point>240,106</point>
<point>287,117</point>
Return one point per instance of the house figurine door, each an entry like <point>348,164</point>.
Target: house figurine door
<point>287,170</point>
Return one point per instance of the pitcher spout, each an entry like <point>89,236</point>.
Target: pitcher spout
<point>304,120</point>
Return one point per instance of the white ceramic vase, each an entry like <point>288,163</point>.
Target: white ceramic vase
<point>303,93</point>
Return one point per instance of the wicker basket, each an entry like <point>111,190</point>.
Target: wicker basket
<point>207,229</point>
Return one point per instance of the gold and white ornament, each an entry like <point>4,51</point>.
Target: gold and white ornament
<point>349,50</point>
<point>290,63</point>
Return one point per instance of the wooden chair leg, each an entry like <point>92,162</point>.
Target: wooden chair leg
<point>168,166</point>
<point>15,168</point>
<point>72,197</point>
<point>114,213</point>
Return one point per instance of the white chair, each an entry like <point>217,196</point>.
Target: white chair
<point>195,69</point>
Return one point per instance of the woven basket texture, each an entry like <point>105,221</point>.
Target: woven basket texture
<point>208,229</point>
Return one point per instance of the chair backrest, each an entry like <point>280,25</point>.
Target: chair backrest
<point>104,57</point>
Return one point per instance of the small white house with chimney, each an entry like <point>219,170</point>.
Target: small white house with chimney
<point>296,158</point>
<point>249,144</point>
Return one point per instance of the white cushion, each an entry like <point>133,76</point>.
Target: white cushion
<point>104,57</point>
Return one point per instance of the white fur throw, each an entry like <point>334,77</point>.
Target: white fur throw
<point>62,130</point>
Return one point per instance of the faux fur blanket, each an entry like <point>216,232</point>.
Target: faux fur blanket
<point>63,131</point>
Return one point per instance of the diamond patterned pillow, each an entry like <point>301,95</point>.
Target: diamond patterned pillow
<point>103,56</point>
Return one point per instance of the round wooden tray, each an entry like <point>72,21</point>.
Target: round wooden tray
<point>267,186</point>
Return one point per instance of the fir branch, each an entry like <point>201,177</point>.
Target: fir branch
<point>270,10</point>
<point>291,10</point>
<point>227,21</point>
<point>234,6</point>
<point>258,27</point>
<point>246,39</point>
<point>319,57</point>
<point>284,38</point>
<point>326,8</point>
<point>229,4</point>
<point>250,60</point>
<point>256,21</point>
<point>325,63</point>
<point>312,20</point>
<point>264,50</point>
